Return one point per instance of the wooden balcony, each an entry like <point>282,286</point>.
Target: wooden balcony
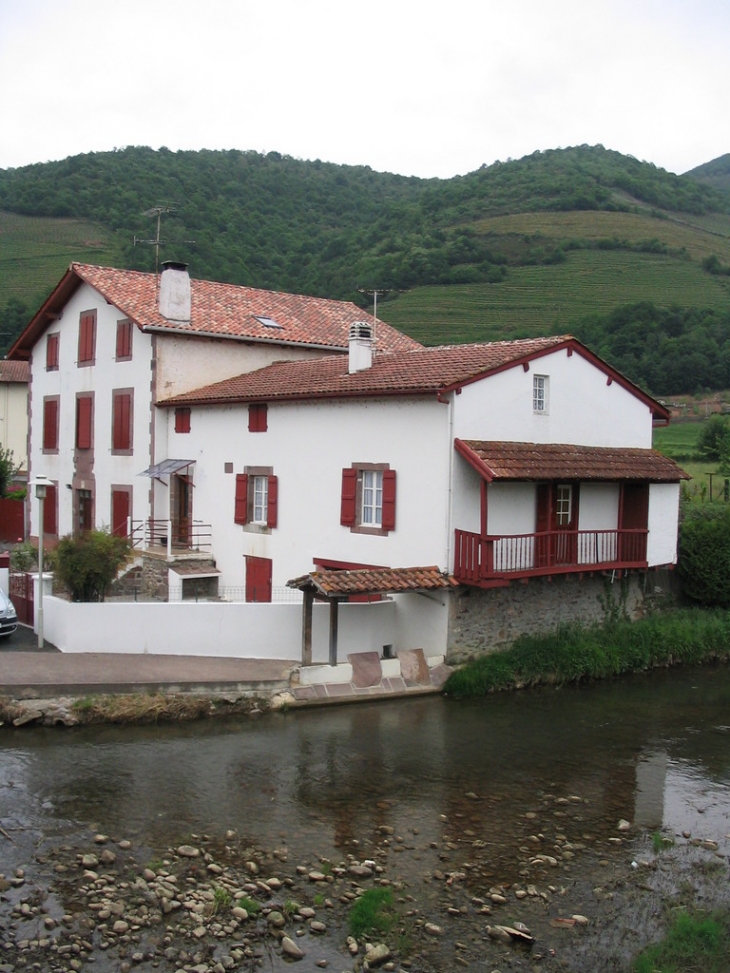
<point>495,560</point>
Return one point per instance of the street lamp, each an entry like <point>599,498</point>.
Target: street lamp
<point>41,485</point>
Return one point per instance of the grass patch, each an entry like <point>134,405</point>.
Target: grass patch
<point>222,899</point>
<point>374,912</point>
<point>141,708</point>
<point>660,842</point>
<point>250,905</point>
<point>695,943</point>
<point>573,653</point>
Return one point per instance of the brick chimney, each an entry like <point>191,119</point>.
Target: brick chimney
<point>175,299</point>
<point>360,347</point>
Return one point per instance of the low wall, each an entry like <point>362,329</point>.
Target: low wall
<point>484,621</point>
<point>220,629</point>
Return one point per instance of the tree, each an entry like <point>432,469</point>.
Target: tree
<point>88,564</point>
<point>8,469</point>
<point>713,442</point>
<point>704,554</point>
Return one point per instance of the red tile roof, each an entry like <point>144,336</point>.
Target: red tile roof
<point>220,310</point>
<point>372,581</point>
<point>424,370</point>
<point>14,371</point>
<point>555,461</point>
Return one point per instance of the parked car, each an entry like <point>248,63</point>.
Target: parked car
<point>8,616</point>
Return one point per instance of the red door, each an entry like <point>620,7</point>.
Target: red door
<point>634,516</point>
<point>258,579</point>
<point>565,522</point>
<point>120,512</point>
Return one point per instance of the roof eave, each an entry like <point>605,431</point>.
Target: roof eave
<point>47,313</point>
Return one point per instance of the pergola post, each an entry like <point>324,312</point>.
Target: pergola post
<point>334,617</point>
<point>307,629</point>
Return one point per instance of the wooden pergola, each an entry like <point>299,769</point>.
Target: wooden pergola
<point>335,586</point>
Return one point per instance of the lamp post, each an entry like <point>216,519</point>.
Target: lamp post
<point>41,485</point>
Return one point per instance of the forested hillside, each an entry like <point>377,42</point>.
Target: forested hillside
<point>516,248</point>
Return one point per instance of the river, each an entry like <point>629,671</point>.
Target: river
<point>446,795</point>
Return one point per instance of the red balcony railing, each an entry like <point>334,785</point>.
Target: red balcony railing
<point>478,559</point>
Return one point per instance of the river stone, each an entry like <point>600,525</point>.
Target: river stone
<point>432,929</point>
<point>377,954</point>
<point>317,927</point>
<point>120,927</point>
<point>240,913</point>
<point>315,876</point>
<point>188,851</point>
<point>107,857</point>
<point>289,948</point>
<point>276,919</point>
<point>89,861</point>
<point>360,871</point>
<point>624,825</point>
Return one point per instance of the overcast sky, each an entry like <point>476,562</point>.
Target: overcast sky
<point>426,89</point>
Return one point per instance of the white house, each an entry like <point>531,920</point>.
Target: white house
<point>108,344</point>
<point>494,463</point>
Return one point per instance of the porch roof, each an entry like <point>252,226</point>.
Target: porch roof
<point>372,581</point>
<point>560,461</point>
<point>165,467</point>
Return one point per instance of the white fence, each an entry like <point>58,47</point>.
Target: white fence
<point>242,630</point>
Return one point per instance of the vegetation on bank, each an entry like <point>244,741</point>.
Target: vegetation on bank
<point>574,653</point>
<point>694,942</point>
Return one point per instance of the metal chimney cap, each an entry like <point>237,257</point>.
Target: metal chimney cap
<point>174,265</point>
<point>361,329</point>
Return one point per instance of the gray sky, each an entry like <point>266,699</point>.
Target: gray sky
<point>427,89</point>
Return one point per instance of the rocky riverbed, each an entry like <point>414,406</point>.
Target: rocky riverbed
<point>213,903</point>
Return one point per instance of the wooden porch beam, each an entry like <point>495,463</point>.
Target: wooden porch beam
<point>334,619</point>
<point>307,628</point>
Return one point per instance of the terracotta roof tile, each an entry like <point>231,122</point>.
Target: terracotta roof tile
<point>364,581</point>
<point>230,310</point>
<point>557,461</point>
<point>14,371</point>
<point>421,370</point>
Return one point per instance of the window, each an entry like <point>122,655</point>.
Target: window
<point>368,498</point>
<point>122,421</point>
<point>50,424</point>
<point>87,338</point>
<point>540,394</point>
<point>182,420</point>
<point>563,504</point>
<point>257,496</point>
<point>124,341</point>
<point>52,345</point>
<point>84,420</point>
<point>257,417</point>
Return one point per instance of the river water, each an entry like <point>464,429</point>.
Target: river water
<point>453,780</point>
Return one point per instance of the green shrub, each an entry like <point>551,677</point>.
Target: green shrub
<point>694,942</point>
<point>704,554</point>
<point>88,564</point>
<point>373,912</point>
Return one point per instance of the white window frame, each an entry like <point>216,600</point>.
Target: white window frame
<point>260,499</point>
<point>563,504</point>
<point>540,394</point>
<point>371,504</point>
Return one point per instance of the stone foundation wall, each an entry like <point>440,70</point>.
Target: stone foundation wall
<point>487,621</point>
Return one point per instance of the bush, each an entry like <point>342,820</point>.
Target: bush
<point>703,562</point>
<point>88,564</point>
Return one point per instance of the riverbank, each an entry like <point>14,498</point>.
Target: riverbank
<point>574,653</point>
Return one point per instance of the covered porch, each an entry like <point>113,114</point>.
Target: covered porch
<point>574,509</point>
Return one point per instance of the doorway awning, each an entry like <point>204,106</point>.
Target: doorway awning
<point>166,467</point>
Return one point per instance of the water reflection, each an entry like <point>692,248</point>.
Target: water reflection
<point>485,775</point>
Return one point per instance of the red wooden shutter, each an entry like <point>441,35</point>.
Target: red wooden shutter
<point>50,523</point>
<point>87,336</point>
<point>273,505</point>
<point>258,578</point>
<point>50,424</point>
<point>182,420</point>
<point>124,339</point>
<point>120,512</point>
<point>349,493</point>
<point>240,515</point>
<point>83,422</point>
<point>388,500</point>
<point>257,417</point>
<point>122,423</point>
<point>52,352</point>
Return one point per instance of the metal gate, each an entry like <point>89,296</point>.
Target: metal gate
<point>21,594</point>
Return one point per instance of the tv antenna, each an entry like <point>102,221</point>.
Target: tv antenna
<point>158,211</point>
<point>370,291</point>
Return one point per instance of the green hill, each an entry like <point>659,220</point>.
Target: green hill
<point>715,174</point>
<point>557,241</point>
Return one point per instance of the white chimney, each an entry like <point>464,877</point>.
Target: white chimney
<point>175,291</point>
<point>360,347</point>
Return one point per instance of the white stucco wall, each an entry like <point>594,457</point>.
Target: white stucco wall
<point>663,516</point>
<point>582,408</point>
<point>307,445</point>
<point>101,378</point>
<point>14,421</point>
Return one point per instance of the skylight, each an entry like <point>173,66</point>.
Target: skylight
<point>268,322</point>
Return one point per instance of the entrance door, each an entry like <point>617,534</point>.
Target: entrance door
<point>556,524</point>
<point>120,513</point>
<point>258,579</point>
<point>84,511</point>
<point>634,516</point>
<point>181,502</point>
